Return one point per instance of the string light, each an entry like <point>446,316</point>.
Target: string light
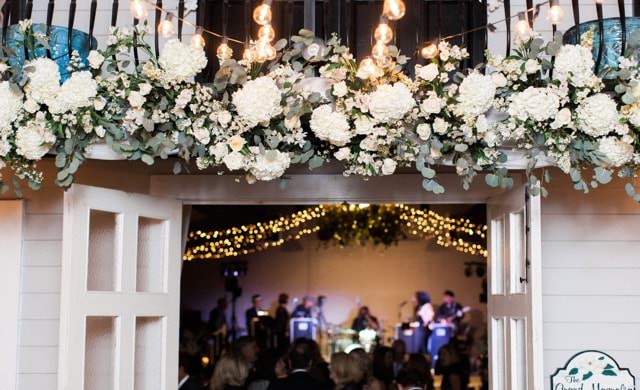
<point>197,40</point>
<point>249,54</point>
<point>224,51</point>
<point>555,13</point>
<point>522,27</point>
<point>368,67</point>
<point>383,32</point>
<point>430,51</point>
<point>380,51</point>
<point>265,51</point>
<point>262,14</point>
<point>266,33</point>
<point>138,9</point>
<point>165,28</point>
<point>394,9</point>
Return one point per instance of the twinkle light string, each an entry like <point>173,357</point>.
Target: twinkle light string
<point>248,239</point>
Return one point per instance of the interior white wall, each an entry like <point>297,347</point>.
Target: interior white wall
<point>378,278</point>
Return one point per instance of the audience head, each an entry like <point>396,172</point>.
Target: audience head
<point>422,297</point>
<point>410,380</point>
<point>449,297</point>
<point>345,369</point>
<point>223,303</point>
<point>247,348</point>
<point>302,354</point>
<point>283,299</point>
<point>267,365</point>
<point>363,359</point>
<point>399,350</point>
<point>418,362</point>
<point>256,300</point>
<point>383,364</point>
<point>231,370</point>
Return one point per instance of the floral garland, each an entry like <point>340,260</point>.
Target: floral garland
<point>313,104</point>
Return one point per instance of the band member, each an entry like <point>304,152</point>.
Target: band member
<point>304,310</point>
<point>218,318</point>
<point>282,322</point>
<point>424,310</point>
<point>450,312</point>
<point>253,312</point>
<point>365,320</point>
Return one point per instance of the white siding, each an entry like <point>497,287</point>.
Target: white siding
<point>591,268</point>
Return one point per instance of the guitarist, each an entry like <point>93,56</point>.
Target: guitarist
<point>450,312</point>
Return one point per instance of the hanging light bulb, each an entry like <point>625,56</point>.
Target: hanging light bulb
<point>262,13</point>
<point>555,13</point>
<point>522,27</point>
<point>249,54</point>
<point>165,28</point>
<point>265,51</point>
<point>197,40</point>
<point>394,9</point>
<point>368,68</point>
<point>429,52</point>
<point>138,9</point>
<point>383,32</point>
<point>266,33</point>
<point>224,51</point>
<point>380,51</point>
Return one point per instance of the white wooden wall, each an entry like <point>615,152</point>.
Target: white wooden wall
<point>591,268</point>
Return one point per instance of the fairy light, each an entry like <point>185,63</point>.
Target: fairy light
<point>197,40</point>
<point>383,32</point>
<point>138,9</point>
<point>224,51</point>
<point>555,13</point>
<point>165,28</point>
<point>266,33</point>
<point>394,9</point>
<point>522,27</point>
<point>430,51</point>
<point>262,14</point>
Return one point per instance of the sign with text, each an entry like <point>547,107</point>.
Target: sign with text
<point>592,370</point>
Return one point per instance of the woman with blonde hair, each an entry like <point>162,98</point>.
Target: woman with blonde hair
<point>231,373</point>
<point>346,372</point>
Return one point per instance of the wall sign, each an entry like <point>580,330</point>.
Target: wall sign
<point>592,370</point>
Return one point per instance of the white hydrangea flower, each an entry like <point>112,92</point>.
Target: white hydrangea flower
<point>390,102</point>
<point>597,115</point>
<point>574,63</point>
<point>44,80</point>
<point>270,165</point>
<point>258,101</point>
<point>181,62</point>
<point>33,140</point>
<point>11,105</point>
<point>475,95</point>
<point>615,150</point>
<point>234,161</point>
<point>78,91</point>
<point>534,103</point>
<point>331,126</point>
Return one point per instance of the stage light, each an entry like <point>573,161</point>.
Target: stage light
<point>429,52</point>
<point>138,9</point>
<point>380,51</point>
<point>522,27</point>
<point>555,13</point>
<point>197,40</point>
<point>224,51</point>
<point>266,33</point>
<point>383,32</point>
<point>262,14</point>
<point>165,28</point>
<point>394,9</point>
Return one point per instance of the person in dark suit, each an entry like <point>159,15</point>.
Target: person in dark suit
<point>185,381</point>
<point>450,312</point>
<point>253,312</point>
<point>282,322</point>
<point>300,361</point>
<point>304,310</point>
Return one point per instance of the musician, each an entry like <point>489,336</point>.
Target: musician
<point>365,320</point>
<point>450,312</point>
<point>218,317</point>
<point>424,309</point>
<point>282,322</point>
<point>304,310</point>
<point>253,312</point>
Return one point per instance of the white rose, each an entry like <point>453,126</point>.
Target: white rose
<point>236,143</point>
<point>144,88</point>
<point>31,106</point>
<point>100,131</point>
<point>95,59</point>
<point>563,118</point>
<point>135,99</point>
<point>99,103</point>
<point>364,125</point>
<point>531,66</point>
<point>234,161</point>
<point>202,135</point>
<point>340,89</point>
<point>424,131</point>
<point>431,105</point>
<point>389,166</point>
<point>342,154</point>
<point>499,80</point>
<point>224,118</point>
<point>428,73</point>
<point>440,126</point>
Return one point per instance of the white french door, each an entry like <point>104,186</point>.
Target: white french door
<point>120,291</point>
<point>514,307</point>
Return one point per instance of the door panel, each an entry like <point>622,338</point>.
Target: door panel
<point>120,290</point>
<point>515,331</point>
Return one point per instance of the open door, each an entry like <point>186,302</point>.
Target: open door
<point>120,291</point>
<point>514,307</point>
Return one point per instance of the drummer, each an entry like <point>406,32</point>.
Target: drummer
<point>365,320</point>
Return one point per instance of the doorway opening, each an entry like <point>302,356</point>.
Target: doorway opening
<point>374,278</point>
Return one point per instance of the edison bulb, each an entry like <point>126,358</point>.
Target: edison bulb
<point>429,52</point>
<point>265,52</point>
<point>368,68</point>
<point>522,27</point>
<point>224,52</point>
<point>266,33</point>
<point>197,40</point>
<point>383,33</point>
<point>165,28</point>
<point>394,9</point>
<point>555,14</point>
<point>138,9</point>
<point>380,51</point>
<point>262,14</point>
